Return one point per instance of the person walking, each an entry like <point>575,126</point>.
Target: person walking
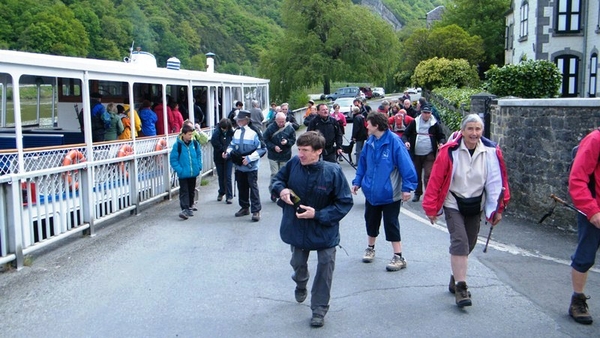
<point>330,129</point>
<point>279,139</point>
<point>387,176</point>
<point>220,140</point>
<point>585,193</point>
<point>359,130</point>
<point>245,150</point>
<point>422,138</point>
<point>186,161</point>
<point>468,175</point>
<point>315,197</point>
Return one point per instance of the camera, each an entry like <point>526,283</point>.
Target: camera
<point>296,200</point>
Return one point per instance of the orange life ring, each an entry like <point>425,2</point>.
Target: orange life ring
<point>161,144</point>
<point>73,157</point>
<point>125,150</point>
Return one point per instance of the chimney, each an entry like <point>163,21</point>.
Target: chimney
<point>210,62</point>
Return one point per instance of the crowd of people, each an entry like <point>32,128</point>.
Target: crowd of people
<point>399,155</point>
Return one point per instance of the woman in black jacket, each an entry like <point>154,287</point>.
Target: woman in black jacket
<point>220,140</point>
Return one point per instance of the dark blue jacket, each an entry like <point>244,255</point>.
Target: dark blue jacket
<point>273,138</point>
<point>220,141</point>
<point>322,186</point>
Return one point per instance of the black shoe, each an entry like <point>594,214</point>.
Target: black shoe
<point>317,320</point>
<point>228,201</point>
<point>416,198</point>
<point>300,294</point>
<point>242,212</point>
<point>220,198</point>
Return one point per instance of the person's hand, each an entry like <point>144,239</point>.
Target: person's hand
<point>224,155</point>
<point>355,189</point>
<point>283,142</point>
<point>277,149</point>
<point>595,220</point>
<point>432,219</point>
<point>405,196</point>
<point>339,151</point>
<point>407,144</point>
<point>497,218</point>
<point>308,214</point>
<point>285,195</point>
<point>245,161</point>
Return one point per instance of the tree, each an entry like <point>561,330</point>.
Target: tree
<point>319,46</point>
<point>484,18</point>
<point>442,72</point>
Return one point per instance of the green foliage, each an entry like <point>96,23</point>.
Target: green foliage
<point>528,79</point>
<point>481,18</point>
<point>455,100</point>
<point>298,99</point>
<point>441,72</point>
<point>319,41</point>
<point>411,12</point>
<point>450,42</point>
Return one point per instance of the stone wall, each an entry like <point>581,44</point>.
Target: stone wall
<point>536,137</point>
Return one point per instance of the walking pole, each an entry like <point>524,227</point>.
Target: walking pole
<point>557,199</point>
<point>500,198</point>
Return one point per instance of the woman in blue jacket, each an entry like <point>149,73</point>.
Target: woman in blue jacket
<point>387,176</point>
<point>186,161</point>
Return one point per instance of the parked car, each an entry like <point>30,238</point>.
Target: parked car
<point>344,92</point>
<point>378,92</point>
<point>367,91</point>
<point>346,105</point>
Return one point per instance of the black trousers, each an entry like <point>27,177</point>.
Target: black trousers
<point>247,183</point>
<point>187,189</point>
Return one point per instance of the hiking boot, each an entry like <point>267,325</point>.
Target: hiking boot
<point>256,216</point>
<point>317,320</point>
<point>579,309</point>
<point>300,294</point>
<point>397,263</point>
<point>462,296</point>
<point>220,197</point>
<point>228,201</point>
<point>452,286</point>
<point>369,255</point>
<point>183,214</point>
<point>190,213</point>
<point>242,212</point>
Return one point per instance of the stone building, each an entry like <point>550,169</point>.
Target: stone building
<point>566,32</point>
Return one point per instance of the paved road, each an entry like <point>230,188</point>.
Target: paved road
<point>214,275</point>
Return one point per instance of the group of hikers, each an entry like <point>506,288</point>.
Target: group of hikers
<point>461,178</point>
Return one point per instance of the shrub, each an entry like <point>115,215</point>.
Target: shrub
<point>528,79</point>
<point>298,98</point>
<point>456,98</point>
<point>441,72</point>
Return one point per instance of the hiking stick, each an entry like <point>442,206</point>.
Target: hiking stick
<point>347,160</point>
<point>557,199</point>
<point>487,241</point>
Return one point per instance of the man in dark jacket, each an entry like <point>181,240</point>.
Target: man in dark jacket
<point>315,196</point>
<point>220,140</point>
<point>279,139</point>
<point>331,130</point>
<point>422,138</point>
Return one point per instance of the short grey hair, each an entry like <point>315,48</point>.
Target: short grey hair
<point>255,103</point>
<point>471,118</point>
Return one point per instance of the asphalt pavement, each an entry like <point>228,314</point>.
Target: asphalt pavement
<point>215,275</point>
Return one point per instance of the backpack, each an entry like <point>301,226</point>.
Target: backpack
<point>179,147</point>
<point>399,123</point>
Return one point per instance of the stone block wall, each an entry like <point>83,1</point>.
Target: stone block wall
<point>536,137</point>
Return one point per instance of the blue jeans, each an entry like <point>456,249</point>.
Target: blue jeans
<point>588,243</point>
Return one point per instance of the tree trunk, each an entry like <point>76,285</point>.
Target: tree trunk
<point>326,85</point>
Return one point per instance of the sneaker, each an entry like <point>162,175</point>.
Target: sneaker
<point>183,214</point>
<point>462,296</point>
<point>317,320</point>
<point>194,208</point>
<point>228,201</point>
<point>190,213</point>
<point>300,294</point>
<point>220,198</point>
<point>256,216</point>
<point>416,198</point>
<point>369,255</point>
<point>579,309</point>
<point>242,212</point>
<point>451,285</point>
<point>397,263</point>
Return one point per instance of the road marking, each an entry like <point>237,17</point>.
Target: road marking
<point>496,245</point>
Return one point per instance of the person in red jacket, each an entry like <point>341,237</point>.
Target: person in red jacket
<point>469,174</point>
<point>585,192</point>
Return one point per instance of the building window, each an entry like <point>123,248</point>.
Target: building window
<point>568,19</point>
<point>568,65</point>
<point>524,17</point>
<point>593,73</point>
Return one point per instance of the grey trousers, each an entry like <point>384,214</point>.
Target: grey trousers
<point>321,288</point>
